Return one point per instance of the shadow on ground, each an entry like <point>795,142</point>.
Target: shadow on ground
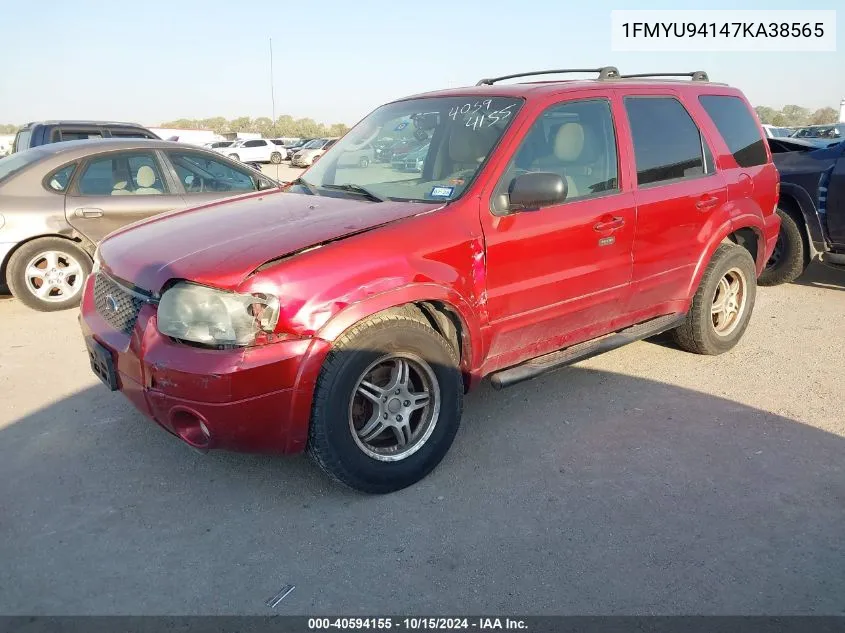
<point>580,492</point>
<point>823,276</point>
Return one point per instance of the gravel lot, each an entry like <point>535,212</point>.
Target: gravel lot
<point>644,481</point>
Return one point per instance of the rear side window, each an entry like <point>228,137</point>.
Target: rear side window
<point>255,143</point>
<point>667,143</point>
<point>134,173</point>
<point>739,129</point>
<point>59,180</point>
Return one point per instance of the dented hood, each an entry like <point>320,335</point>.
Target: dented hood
<point>221,244</point>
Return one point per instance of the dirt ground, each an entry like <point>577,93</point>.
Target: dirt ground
<point>644,481</point>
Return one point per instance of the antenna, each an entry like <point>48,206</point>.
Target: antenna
<point>272,89</point>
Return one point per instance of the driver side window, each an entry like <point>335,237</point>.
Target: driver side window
<point>575,140</point>
<point>200,173</point>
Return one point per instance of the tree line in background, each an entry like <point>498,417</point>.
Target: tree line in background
<point>796,116</point>
<point>286,125</point>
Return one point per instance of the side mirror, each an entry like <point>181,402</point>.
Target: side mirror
<point>529,192</point>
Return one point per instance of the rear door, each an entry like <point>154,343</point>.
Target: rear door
<point>677,190</point>
<point>117,188</point>
<point>202,177</point>
<point>255,150</point>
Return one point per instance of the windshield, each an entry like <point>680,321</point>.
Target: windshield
<point>17,161</point>
<point>22,141</point>
<point>315,144</point>
<point>421,150</point>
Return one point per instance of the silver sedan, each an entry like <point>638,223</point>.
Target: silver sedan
<point>58,201</point>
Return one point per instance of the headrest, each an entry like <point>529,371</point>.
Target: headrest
<point>468,145</point>
<point>568,142</point>
<point>145,177</point>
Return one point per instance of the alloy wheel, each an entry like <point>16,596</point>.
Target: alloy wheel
<point>394,407</point>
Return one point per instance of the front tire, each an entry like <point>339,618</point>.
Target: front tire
<point>789,260</point>
<point>722,305</point>
<point>47,274</point>
<point>234,157</point>
<point>387,404</point>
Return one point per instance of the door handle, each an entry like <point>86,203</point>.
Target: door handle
<point>88,213</point>
<point>706,202</point>
<point>609,225</point>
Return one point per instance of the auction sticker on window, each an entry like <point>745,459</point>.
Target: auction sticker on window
<point>442,192</point>
<point>723,30</point>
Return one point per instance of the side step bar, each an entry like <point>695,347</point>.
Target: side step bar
<point>582,351</point>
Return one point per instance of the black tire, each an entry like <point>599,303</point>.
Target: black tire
<point>234,157</point>
<point>275,158</point>
<point>698,333</point>
<point>364,162</point>
<point>789,261</point>
<point>331,443</point>
<point>16,276</point>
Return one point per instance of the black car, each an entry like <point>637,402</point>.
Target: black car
<point>811,207</point>
<point>44,132</point>
<point>297,145</point>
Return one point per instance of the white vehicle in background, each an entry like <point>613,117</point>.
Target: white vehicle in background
<point>311,151</point>
<point>255,151</point>
<point>773,131</point>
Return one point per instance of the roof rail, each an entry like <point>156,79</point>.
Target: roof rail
<point>697,75</point>
<point>605,72</point>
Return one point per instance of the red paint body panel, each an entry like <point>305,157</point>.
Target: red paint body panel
<point>521,285</point>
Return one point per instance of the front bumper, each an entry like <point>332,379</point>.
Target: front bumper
<point>255,400</point>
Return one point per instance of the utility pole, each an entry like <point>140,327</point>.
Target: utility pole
<point>272,89</point>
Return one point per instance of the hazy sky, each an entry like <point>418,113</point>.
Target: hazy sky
<point>335,60</point>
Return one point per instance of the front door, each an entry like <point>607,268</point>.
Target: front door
<point>836,201</point>
<point>559,274</point>
<point>117,188</point>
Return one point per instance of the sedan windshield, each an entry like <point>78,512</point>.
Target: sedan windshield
<point>421,150</point>
<point>315,144</point>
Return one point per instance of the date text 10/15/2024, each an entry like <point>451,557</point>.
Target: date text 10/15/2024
<point>414,624</point>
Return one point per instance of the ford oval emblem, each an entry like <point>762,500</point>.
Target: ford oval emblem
<point>111,303</point>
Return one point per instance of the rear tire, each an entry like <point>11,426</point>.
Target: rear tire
<point>364,162</point>
<point>712,332</point>
<point>275,158</point>
<point>47,274</point>
<point>789,260</point>
<point>342,412</point>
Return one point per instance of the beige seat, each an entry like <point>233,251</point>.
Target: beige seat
<point>120,176</point>
<point>567,148</point>
<point>145,178</point>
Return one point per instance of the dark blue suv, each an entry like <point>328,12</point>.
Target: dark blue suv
<point>44,132</point>
<point>811,208</point>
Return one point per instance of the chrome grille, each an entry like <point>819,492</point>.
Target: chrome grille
<point>116,304</point>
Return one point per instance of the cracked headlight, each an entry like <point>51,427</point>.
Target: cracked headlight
<point>200,314</point>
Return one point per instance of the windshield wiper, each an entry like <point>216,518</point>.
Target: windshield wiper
<point>306,185</point>
<point>357,189</point>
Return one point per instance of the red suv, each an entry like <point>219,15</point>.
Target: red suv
<point>551,221</point>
